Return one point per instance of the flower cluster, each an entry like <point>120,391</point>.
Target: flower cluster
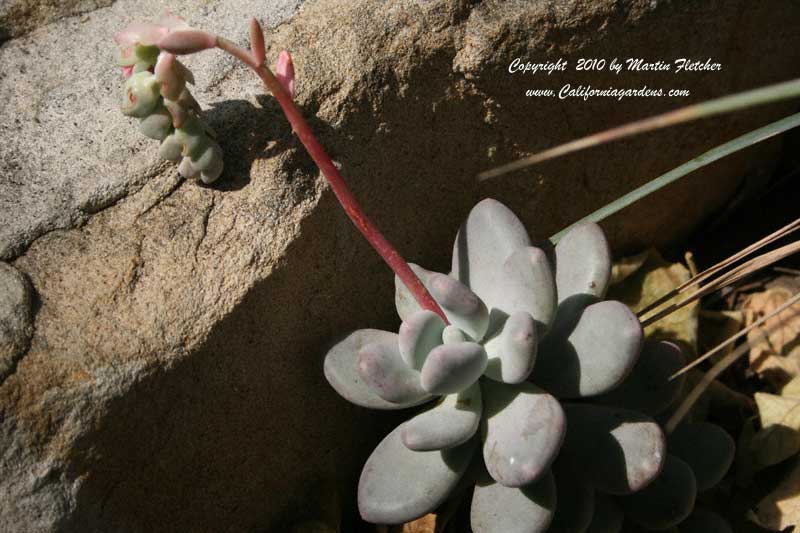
<point>156,93</point>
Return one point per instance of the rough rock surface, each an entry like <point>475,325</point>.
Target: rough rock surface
<point>174,377</point>
<point>16,317</point>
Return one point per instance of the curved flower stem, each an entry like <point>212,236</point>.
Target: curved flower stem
<point>348,202</point>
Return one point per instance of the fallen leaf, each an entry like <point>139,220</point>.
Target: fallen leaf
<point>783,337</point>
<point>644,285</point>
<point>716,327</point>
<point>792,389</point>
<point>626,266</point>
<point>781,508</point>
<point>427,524</point>
<point>779,437</point>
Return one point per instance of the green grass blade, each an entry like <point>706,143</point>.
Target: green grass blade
<point>725,104</point>
<point>739,143</point>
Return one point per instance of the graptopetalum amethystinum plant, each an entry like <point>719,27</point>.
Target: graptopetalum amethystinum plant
<point>551,385</point>
<point>522,357</point>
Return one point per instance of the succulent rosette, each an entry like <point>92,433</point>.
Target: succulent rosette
<point>551,385</point>
<point>156,93</point>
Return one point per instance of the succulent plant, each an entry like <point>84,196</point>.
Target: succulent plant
<point>554,385</point>
<point>156,93</point>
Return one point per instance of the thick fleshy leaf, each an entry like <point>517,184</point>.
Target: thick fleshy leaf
<point>487,238</point>
<point>450,423</point>
<point>617,450</point>
<point>384,371</point>
<point>451,368</point>
<point>665,502</point>
<point>583,262</point>
<point>157,125</point>
<point>341,370</point>
<point>575,502</point>
<point>523,428</point>
<point>462,307</point>
<point>141,95</point>
<point>512,350</point>
<point>419,334</point>
<point>403,299</point>
<point>706,448</point>
<point>608,516</point>
<point>500,509</point>
<point>704,521</point>
<point>592,356</point>
<point>399,485</point>
<point>648,388</point>
<point>452,335</point>
<point>523,282</point>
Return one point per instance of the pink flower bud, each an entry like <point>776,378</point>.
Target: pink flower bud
<point>284,71</point>
<point>257,42</point>
<point>187,42</point>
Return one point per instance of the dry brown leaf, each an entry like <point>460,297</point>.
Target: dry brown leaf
<point>654,278</point>
<point>773,408</point>
<point>792,389</point>
<point>718,326</point>
<point>626,266</point>
<point>781,508</point>
<point>786,333</point>
<point>779,437</point>
<point>427,524</point>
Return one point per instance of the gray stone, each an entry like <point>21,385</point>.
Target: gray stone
<point>180,329</point>
<point>16,317</point>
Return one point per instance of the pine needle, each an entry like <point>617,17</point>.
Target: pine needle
<point>712,374</point>
<point>739,143</point>
<point>788,303</point>
<point>728,278</point>
<point>699,278</point>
